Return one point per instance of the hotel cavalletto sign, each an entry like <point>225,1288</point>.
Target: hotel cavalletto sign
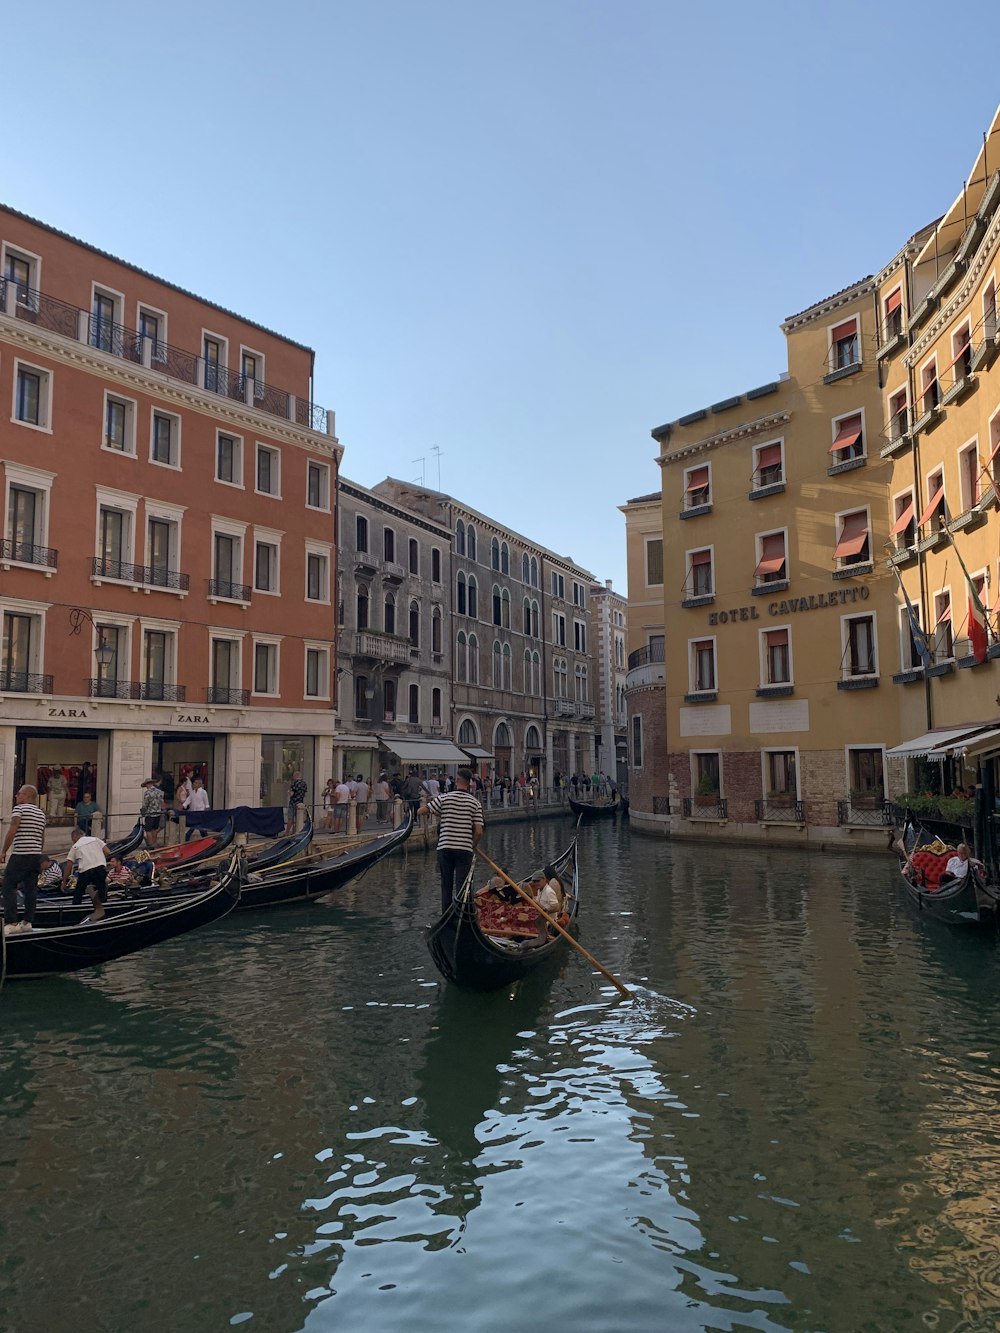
<point>791,606</point>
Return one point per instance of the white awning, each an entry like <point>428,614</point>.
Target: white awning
<point>933,744</point>
<point>474,752</point>
<point>981,744</point>
<point>423,750</point>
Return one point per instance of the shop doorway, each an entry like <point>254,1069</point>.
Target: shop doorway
<point>62,764</point>
<point>177,756</point>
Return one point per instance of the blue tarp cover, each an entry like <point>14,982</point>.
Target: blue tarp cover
<point>267,822</point>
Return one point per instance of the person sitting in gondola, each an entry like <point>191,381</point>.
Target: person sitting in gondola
<point>959,865</point>
<point>119,875</point>
<point>546,888</point>
<point>50,879</point>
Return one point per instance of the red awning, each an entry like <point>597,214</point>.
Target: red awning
<point>769,456</point>
<point>945,614</point>
<point>936,499</point>
<point>853,535</point>
<point>701,557</point>
<point>904,519</point>
<point>996,450</point>
<point>772,554</point>
<point>777,638</point>
<point>697,480</point>
<point>845,330</point>
<point>894,301</point>
<point>962,351</point>
<point>847,436</point>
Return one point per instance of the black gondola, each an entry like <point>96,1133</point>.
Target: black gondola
<point>181,855</point>
<point>129,843</point>
<point>964,902</point>
<point>465,954</point>
<point>46,952</point>
<point>587,810</point>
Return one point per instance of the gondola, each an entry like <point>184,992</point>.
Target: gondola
<point>464,953</point>
<point>129,843</point>
<point>313,876</point>
<point>588,810</point>
<point>195,849</point>
<point>965,902</point>
<point>46,952</point>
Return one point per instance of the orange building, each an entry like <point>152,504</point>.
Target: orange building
<point>167,561</point>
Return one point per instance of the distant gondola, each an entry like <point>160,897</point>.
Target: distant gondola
<point>467,955</point>
<point>587,810</point>
<point>46,952</point>
<point>964,902</point>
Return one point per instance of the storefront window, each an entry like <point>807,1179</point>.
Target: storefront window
<point>281,757</point>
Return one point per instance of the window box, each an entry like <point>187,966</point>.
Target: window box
<point>901,558</point>
<point>766,589</point>
<point>702,697</point>
<point>993,651</point>
<point>842,373</point>
<point>762,492</point>
<point>775,691</point>
<point>853,571</point>
<point>988,499</point>
<point>847,466</point>
<point>695,511</point>
<point>895,344</point>
<point>959,389</point>
<point>931,540</point>
<point>921,312</point>
<point>706,599</point>
<point>947,279</point>
<point>908,677</point>
<point>985,354</point>
<point>941,669</point>
<point>968,521</point>
<point>967,663</point>
<point>896,446</point>
<point>858,683</point>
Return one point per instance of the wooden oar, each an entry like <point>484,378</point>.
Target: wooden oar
<point>553,922</point>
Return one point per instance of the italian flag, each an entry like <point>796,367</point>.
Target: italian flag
<point>977,625</point>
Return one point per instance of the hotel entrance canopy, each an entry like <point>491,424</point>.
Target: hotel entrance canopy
<point>423,750</point>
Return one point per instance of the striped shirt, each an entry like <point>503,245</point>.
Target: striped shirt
<point>460,814</point>
<point>30,836</point>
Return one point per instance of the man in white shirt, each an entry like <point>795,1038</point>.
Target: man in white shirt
<point>89,857</point>
<point>361,794</point>
<point>198,798</point>
<point>341,798</point>
<point>958,865</point>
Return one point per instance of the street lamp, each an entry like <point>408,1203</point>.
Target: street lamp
<point>104,652</point>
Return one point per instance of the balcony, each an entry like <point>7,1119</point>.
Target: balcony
<point>866,811</point>
<point>646,667</point>
<point>159,691</point>
<point>24,682</point>
<point>151,576</point>
<point>227,591</point>
<point>26,553</point>
<point>68,321</point>
<point>170,580</point>
<point>223,694</point>
<point>104,688</point>
<point>392,573</point>
<point>584,709</point>
<point>705,807</point>
<point>562,707</point>
<point>364,563</point>
<point>389,648</point>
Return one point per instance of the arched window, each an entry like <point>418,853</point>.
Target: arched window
<point>414,703</point>
<point>435,707</point>
<point>497,666</point>
<point>414,556</point>
<point>436,630</point>
<point>525,569</point>
<point>360,696</point>
<point>388,545</point>
<point>361,528</point>
<point>534,572</point>
<point>414,624</point>
<point>460,538</point>
<point>496,604</point>
<point>536,673</point>
<point>526,616</point>
<point>467,734</point>
<point>508,671</point>
<point>470,547</point>
<point>559,677</point>
<point>505,609</point>
<point>534,620</point>
<point>527,672</point>
<point>504,558</point>
<point>581,683</point>
<point>532,740</point>
<point>473,660</point>
<point>389,614</point>
<point>473,597</point>
<point>389,701</point>
<point>362,607</point>
<point>461,657</point>
<point>503,739</point>
<point>460,600</point>
<point>494,554</point>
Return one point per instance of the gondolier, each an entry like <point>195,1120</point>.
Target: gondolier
<point>460,826</point>
<point>25,841</point>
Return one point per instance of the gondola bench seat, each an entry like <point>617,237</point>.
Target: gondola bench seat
<point>930,866</point>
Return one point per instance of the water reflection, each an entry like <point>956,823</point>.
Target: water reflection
<point>293,1124</point>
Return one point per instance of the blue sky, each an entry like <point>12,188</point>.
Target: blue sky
<point>522,234</point>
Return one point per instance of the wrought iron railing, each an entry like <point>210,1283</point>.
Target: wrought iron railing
<point>26,553</point>
<point>235,592</point>
<point>117,569</point>
<point>158,576</point>
<point>875,812</point>
<point>778,810</point>
<point>705,807</point>
<point>55,316</point>
<point>652,652</point>
<point>24,682</point>
<point>106,688</point>
<point>160,691</point>
<point>222,694</point>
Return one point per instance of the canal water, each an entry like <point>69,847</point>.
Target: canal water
<point>289,1122</point>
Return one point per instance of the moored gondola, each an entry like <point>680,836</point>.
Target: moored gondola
<point>45,952</point>
<point>129,843</point>
<point>969,901</point>
<point>469,950</point>
<point>194,850</point>
<point>587,810</point>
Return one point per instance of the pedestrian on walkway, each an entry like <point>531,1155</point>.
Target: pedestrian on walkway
<point>25,841</point>
<point>296,796</point>
<point>151,810</point>
<point>460,826</point>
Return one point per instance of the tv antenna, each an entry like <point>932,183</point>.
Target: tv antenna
<point>435,449</point>
<point>420,479</point>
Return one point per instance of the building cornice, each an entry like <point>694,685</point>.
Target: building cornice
<point>824,309</point>
<point>359,492</point>
<point>984,257</point>
<point>20,334</point>
<point>745,430</point>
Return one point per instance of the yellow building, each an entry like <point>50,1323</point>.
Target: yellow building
<point>798,694</point>
<point>645,679</point>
